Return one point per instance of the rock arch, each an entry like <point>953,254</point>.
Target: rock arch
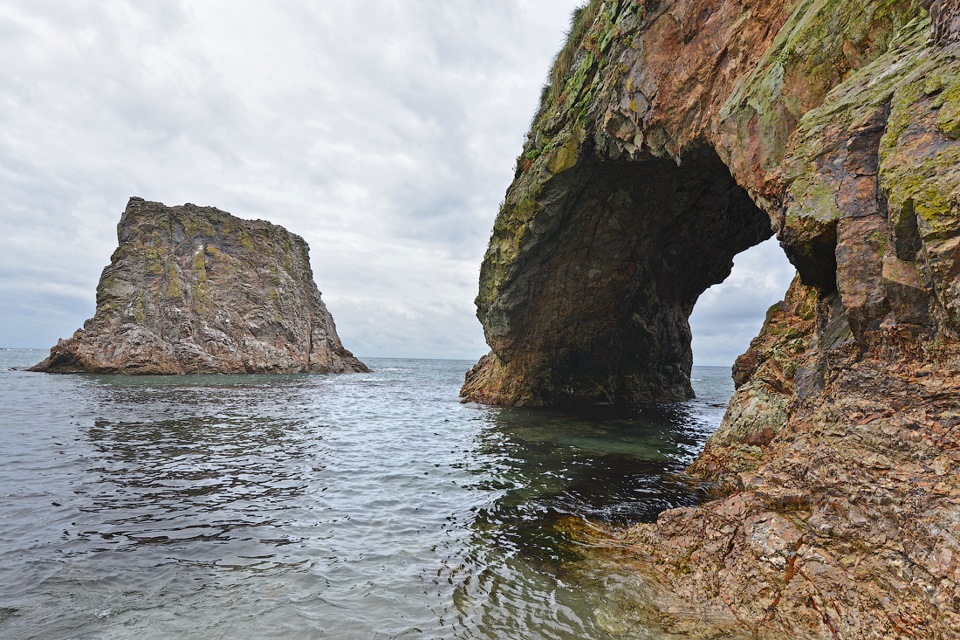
<point>840,119</point>
<point>674,135</point>
<point>619,251</point>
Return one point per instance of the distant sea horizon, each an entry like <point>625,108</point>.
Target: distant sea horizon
<point>363,358</point>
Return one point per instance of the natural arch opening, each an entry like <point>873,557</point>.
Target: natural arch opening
<point>729,315</point>
<point>594,307</point>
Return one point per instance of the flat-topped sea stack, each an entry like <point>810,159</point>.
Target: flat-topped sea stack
<point>196,290</point>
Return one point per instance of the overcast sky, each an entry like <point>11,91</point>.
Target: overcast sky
<point>383,132</point>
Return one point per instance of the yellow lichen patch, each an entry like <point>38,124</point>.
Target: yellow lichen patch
<point>564,156</point>
<point>105,289</point>
<point>931,202</point>
<point>152,261</point>
<point>808,60</point>
<point>927,186</point>
<point>948,120</point>
<point>524,210</point>
<point>173,287</point>
<point>140,309</point>
<point>245,240</point>
<point>196,226</point>
<point>901,116</point>
<point>201,295</point>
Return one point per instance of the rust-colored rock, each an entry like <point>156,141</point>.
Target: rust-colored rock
<point>779,366</point>
<point>196,290</point>
<point>674,134</point>
<point>845,525</point>
<point>945,15</point>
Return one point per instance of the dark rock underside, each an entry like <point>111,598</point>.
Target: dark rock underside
<point>600,312</point>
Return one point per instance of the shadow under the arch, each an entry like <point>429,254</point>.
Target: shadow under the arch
<point>611,464</point>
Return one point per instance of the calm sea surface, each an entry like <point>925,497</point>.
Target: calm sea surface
<point>347,507</point>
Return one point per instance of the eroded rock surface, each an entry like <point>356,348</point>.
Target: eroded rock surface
<point>672,135</point>
<point>676,134</point>
<point>196,290</point>
<point>845,524</point>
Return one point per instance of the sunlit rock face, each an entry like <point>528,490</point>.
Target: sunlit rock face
<point>196,290</point>
<point>674,134</point>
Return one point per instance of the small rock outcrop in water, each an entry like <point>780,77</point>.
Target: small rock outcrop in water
<point>672,135</point>
<point>196,290</point>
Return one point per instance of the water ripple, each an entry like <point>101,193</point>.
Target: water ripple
<point>362,506</point>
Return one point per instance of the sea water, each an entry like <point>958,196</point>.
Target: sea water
<point>311,506</point>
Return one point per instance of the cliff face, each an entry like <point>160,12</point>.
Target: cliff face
<point>196,290</point>
<point>674,134</point>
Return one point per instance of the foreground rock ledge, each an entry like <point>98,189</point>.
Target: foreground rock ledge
<point>673,134</point>
<point>196,290</point>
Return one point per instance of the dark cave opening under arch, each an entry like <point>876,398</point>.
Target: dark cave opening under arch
<point>597,307</point>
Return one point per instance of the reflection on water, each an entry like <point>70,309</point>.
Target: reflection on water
<point>366,506</point>
<point>550,471</point>
<point>194,463</point>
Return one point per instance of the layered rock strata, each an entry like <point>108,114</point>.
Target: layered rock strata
<point>196,290</point>
<point>672,135</point>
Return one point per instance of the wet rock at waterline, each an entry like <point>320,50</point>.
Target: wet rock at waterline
<point>671,136</point>
<point>196,290</point>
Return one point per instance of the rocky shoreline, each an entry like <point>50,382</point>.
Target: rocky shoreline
<point>671,136</point>
<point>843,523</point>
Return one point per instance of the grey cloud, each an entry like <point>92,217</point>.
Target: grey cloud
<point>729,315</point>
<point>383,132</point>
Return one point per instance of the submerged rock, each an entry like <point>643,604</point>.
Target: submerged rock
<point>196,290</point>
<point>674,134</point>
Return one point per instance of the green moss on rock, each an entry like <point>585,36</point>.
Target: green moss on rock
<point>201,288</point>
<point>140,309</point>
<point>173,286</point>
<point>948,120</point>
<point>564,157</point>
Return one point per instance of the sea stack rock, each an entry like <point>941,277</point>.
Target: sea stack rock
<point>196,290</point>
